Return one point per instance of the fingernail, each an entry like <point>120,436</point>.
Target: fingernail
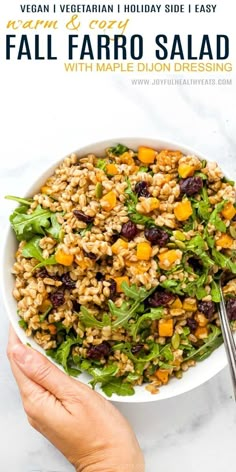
<point>21,354</point>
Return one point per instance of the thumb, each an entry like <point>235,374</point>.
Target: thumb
<point>40,370</point>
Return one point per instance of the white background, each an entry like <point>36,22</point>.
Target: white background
<point>46,113</point>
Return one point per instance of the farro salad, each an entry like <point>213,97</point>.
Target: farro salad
<point>118,264</point>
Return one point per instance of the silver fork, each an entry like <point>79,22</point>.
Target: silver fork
<point>229,342</point>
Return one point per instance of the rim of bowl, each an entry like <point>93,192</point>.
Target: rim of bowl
<point>163,143</point>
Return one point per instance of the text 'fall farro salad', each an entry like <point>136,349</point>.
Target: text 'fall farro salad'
<point>118,265</point>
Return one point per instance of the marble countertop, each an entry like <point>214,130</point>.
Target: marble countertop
<point>190,432</point>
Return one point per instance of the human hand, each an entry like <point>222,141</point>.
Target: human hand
<point>86,428</point>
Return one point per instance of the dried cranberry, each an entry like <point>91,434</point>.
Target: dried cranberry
<point>191,185</point>
<point>208,308</point>
<point>76,306</point>
<point>97,352</point>
<point>141,188</point>
<point>55,277</point>
<point>160,298</point>
<point>57,298</point>
<point>129,230</point>
<point>67,281</point>
<point>99,276</point>
<point>112,288</point>
<point>136,349</point>
<point>42,273</point>
<point>91,255</point>
<point>192,324</point>
<point>82,217</point>
<point>156,236</point>
<point>231,309</point>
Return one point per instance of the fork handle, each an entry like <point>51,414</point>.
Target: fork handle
<point>229,342</point>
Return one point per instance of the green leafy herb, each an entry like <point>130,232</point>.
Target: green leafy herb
<point>62,353</point>
<point>22,201</point>
<point>215,219</point>
<point>167,353</point>
<point>118,150</point>
<point>101,164</point>
<point>119,387</point>
<point>33,250</point>
<point>198,247</point>
<point>22,323</point>
<point>143,169</point>
<point>85,230</point>
<point>90,321</point>
<point>223,261</point>
<point>154,314</point>
<point>154,350</point>
<point>215,292</point>
<point>102,375</point>
<point>203,210</point>
<point>173,286</point>
<point>228,181</point>
<point>213,341</point>
<point>55,230</point>
<point>28,225</point>
<point>189,225</point>
<point>132,197</point>
<point>200,174</point>
<point>43,316</point>
<point>128,309</point>
<point>204,163</point>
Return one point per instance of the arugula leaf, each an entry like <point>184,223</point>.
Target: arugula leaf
<point>118,387</point>
<point>213,341</point>
<point>22,323</point>
<point>196,288</point>
<point>209,239</point>
<point>43,316</point>
<point>101,164</point>
<point>215,292</point>
<point>154,314</point>
<point>200,174</point>
<point>23,201</point>
<point>167,353</point>
<point>102,375</point>
<point>84,231</point>
<point>228,181</point>
<point>132,196</point>
<point>50,261</point>
<point>173,286</point>
<point>55,230</point>
<point>197,246</point>
<point>127,311</point>
<point>118,150</point>
<point>33,250</point>
<point>223,261</point>
<point>27,225</point>
<point>143,169</point>
<point>140,359</point>
<point>203,210</point>
<point>215,219</point>
<point>62,353</point>
<point>90,321</point>
<point>189,225</point>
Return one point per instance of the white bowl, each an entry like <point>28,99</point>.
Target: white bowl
<point>195,376</point>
